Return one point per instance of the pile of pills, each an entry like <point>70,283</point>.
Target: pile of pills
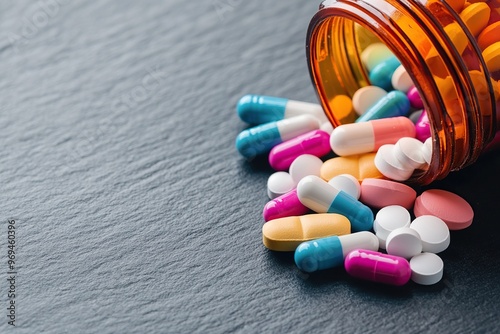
<point>354,209</point>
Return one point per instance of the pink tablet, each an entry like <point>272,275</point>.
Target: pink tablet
<point>451,208</point>
<point>379,193</point>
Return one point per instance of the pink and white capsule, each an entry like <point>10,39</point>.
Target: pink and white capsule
<point>315,143</point>
<point>365,137</point>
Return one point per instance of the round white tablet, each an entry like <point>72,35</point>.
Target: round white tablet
<point>327,127</point>
<point>304,165</point>
<point>347,183</point>
<point>426,268</point>
<point>408,152</point>
<point>388,219</point>
<point>427,150</point>
<point>279,183</point>
<point>433,231</point>
<point>404,242</point>
<point>365,97</point>
<point>389,166</point>
<point>401,79</point>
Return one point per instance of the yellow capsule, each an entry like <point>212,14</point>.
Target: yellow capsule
<point>476,17</point>
<point>342,108</point>
<point>361,166</point>
<point>491,57</point>
<point>285,234</point>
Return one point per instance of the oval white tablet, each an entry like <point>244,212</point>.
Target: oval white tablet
<point>404,242</point>
<point>426,268</point>
<point>304,165</point>
<point>389,166</point>
<point>427,150</point>
<point>433,231</point>
<point>347,183</point>
<point>279,183</point>
<point>365,97</point>
<point>389,219</point>
<point>401,80</point>
<point>408,152</point>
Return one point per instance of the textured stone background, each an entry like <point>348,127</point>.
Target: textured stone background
<point>134,212</point>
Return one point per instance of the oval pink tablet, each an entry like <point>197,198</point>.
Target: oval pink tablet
<point>451,208</point>
<point>379,193</point>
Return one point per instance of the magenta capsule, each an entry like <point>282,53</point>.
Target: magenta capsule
<point>415,99</point>
<point>378,267</point>
<point>315,142</point>
<point>422,127</point>
<point>286,205</point>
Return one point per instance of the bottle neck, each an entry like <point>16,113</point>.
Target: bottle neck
<point>437,50</point>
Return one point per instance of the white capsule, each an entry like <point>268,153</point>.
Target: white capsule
<point>401,80</point>
<point>304,165</point>
<point>365,97</point>
<point>279,183</point>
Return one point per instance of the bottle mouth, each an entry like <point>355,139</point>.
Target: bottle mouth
<point>449,74</point>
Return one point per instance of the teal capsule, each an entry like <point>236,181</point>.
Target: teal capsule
<point>381,75</point>
<point>394,104</point>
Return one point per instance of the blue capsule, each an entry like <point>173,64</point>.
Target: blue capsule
<point>381,75</point>
<point>260,109</point>
<point>262,138</point>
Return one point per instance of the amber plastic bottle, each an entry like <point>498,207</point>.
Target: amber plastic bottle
<point>451,51</point>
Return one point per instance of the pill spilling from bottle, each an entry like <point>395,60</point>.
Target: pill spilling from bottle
<point>339,196</point>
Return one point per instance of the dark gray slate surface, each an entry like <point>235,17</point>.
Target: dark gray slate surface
<point>134,212</point>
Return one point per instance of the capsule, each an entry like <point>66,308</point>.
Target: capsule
<point>415,99</point>
<point>285,234</point>
<point>319,196</point>
<point>381,75</point>
<point>358,138</point>
<point>262,138</point>
<point>330,252</point>
<point>394,104</point>
<point>286,205</point>
<point>260,109</point>
<point>377,267</point>
<point>316,142</point>
<point>423,127</point>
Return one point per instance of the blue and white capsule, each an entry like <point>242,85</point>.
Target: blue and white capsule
<point>330,252</point>
<point>260,109</point>
<point>381,75</point>
<point>393,104</point>
<point>321,197</point>
<point>262,138</point>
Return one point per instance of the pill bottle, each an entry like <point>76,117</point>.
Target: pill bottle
<point>451,50</point>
